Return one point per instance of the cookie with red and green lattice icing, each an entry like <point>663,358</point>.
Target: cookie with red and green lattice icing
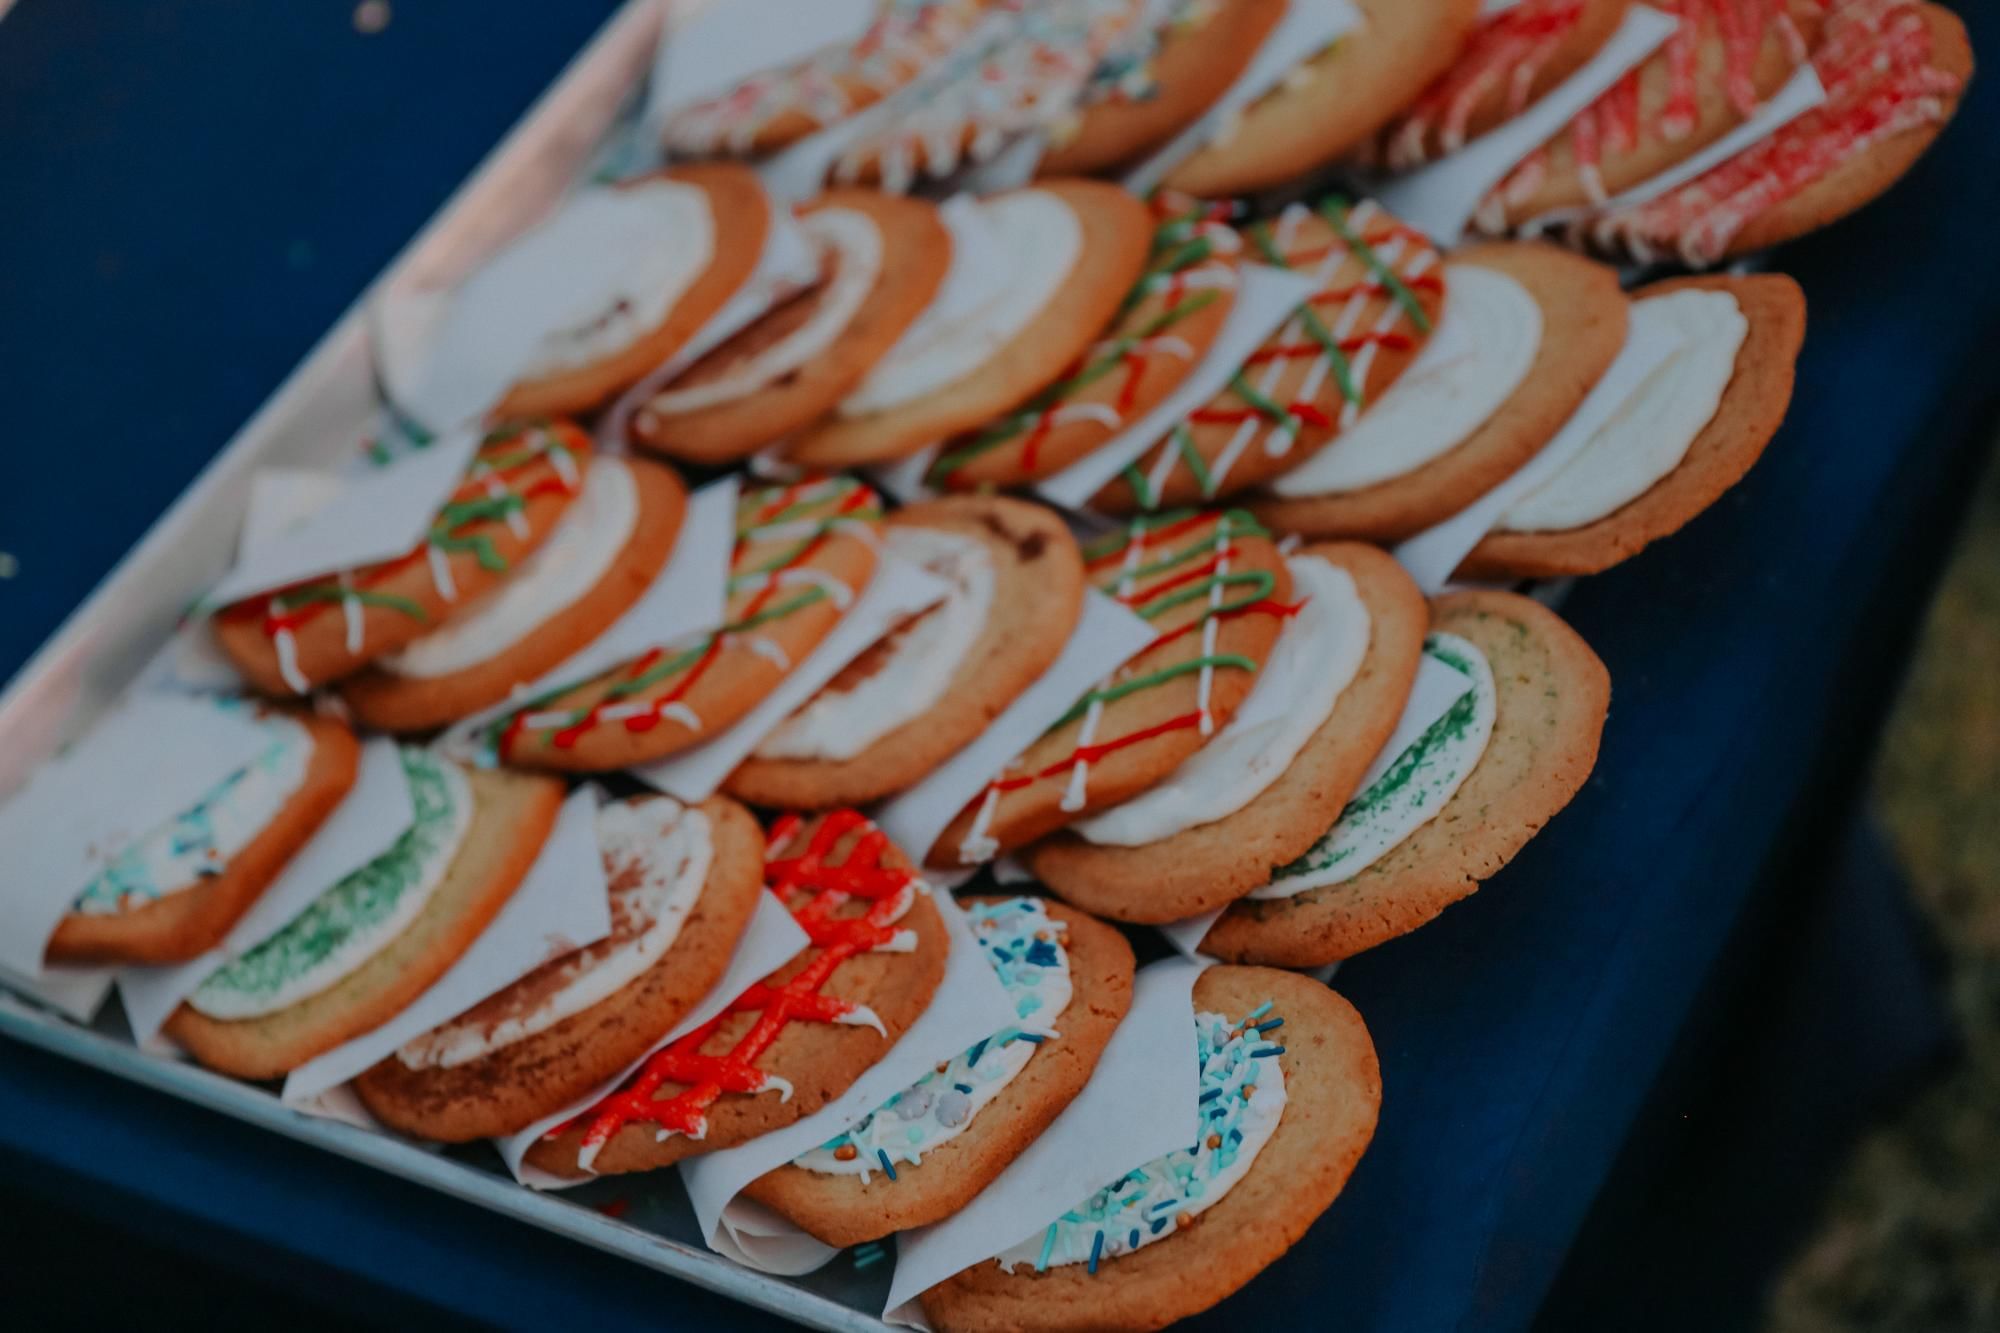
<point>1518,56</point>
<point>1712,74</point>
<point>1893,71</point>
<point>1380,288</point>
<point>803,554</point>
<point>1215,588</point>
<point>1170,319</point>
<point>777,107</point>
<point>1191,61</point>
<point>517,488</point>
<point>1334,102</point>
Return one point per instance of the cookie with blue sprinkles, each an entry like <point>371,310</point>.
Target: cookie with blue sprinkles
<point>927,1151</point>
<point>1291,1089</point>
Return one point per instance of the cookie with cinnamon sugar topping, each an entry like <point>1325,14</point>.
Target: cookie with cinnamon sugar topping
<point>878,956</point>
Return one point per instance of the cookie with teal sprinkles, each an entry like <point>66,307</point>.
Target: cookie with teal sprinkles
<point>1290,1092</point>
<point>923,1154</point>
<point>1454,807</point>
<point>377,939</point>
<point>176,892</point>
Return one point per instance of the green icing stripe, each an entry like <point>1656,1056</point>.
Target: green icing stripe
<point>1335,213</point>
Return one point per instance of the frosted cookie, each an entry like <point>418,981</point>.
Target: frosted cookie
<point>174,894</point>
<point>1168,323</point>
<point>1215,588</point>
<point>375,941</point>
<point>1335,102</point>
<point>923,1154</point>
<point>605,551</point>
<point>1037,274</point>
<point>935,682</point>
<point>1690,433</point>
<point>1188,63</point>
<point>797,1039</point>
<point>775,108</point>
<point>803,554</point>
<point>1710,76</point>
<point>882,260</point>
<point>683,882</point>
<point>1380,287</point>
<point>294,640</point>
<point>1893,71</point>
<point>1290,1091</point>
<point>1453,808</point>
<point>1518,56</point>
<point>1526,333</point>
<point>693,235</point>
<point>1258,796</point>
<point>1023,73</point>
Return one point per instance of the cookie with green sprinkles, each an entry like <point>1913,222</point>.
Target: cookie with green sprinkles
<point>803,554</point>
<point>1216,590</point>
<point>931,685</point>
<point>1378,288</point>
<point>176,893</point>
<point>1291,1091</point>
<point>1453,808</point>
<point>1170,319</point>
<point>375,941</point>
<point>929,1149</point>
<point>1367,621</point>
<point>520,483</point>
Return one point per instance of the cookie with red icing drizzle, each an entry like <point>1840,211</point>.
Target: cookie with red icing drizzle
<point>1170,319</point>
<point>1214,586</point>
<point>797,1039</point>
<point>295,639</point>
<point>1380,290</point>
<point>1720,65</point>
<point>803,554</point>
<point>1893,73</point>
<point>1517,57</point>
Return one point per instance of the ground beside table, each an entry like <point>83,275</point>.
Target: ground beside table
<point>214,182</point>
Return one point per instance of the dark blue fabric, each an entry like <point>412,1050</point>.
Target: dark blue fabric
<point>197,190</point>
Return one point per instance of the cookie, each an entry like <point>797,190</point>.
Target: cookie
<point>882,258</point>
<point>1216,590</point>
<point>775,108</point>
<point>796,1040</point>
<point>1894,72</point>
<point>1750,407</point>
<point>1022,73</point>
<point>1581,315</point>
<point>1455,807</point>
<point>631,333</point>
<point>1150,1249</point>
<point>1518,56</point>
<point>175,893</point>
<point>1064,255</point>
<point>295,639</point>
<point>1203,866</point>
<point>1710,76</point>
<point>1380,289</point>
<point>1203,48</point>
<point>928,1150</point>
<point>604,553</point>
<point>683,883</point>
<point>803,554</point>
<point>1337,101</point>
<point>935,683</point>
<point>379,938</point>
<point>1168,323</point>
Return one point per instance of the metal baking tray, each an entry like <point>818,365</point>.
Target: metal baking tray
<point>325,405</point>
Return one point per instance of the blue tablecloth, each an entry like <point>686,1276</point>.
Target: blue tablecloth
<point>196,190</point>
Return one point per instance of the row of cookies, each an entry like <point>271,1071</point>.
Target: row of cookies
<point>1698,128</point>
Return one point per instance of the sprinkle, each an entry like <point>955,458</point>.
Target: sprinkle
<point>1268,1050</point>
<point>1215,1140</point>
<point>887,1166</point>
<point>1258,1012</point>
<point>867,1256</point>
<point>1183,1219</point>
<point>1273,1023</point>
<point>1048,1246</point>
<point>1208,1096</point>
<point>965,1088</point>
<point>1096,1249</point>
<point>971,1056</point>
<point>846,1152</point>
<point>1031,1037</point>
